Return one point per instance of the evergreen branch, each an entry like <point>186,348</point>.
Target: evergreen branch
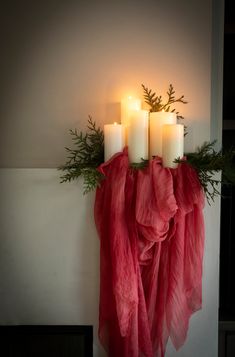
<point>171,99</point>
<point>139,165</point>
<point>92,178</point>
<point>84,159</point>
<point>156,104</point>
<point>154,101</point>
<point>206,161</point>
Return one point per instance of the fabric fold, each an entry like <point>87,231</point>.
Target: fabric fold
<point>151,229</point>
<point>118,278</point>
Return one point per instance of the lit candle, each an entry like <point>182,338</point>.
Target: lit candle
<point>113,140</point>
<point>127,105</point>
<point>156,121</point>
<point>172,144</point>
<point>138,136</point>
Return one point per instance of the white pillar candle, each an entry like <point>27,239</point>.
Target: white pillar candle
<point>113,140</point>
<point>156,121</point>
<point>127,105</point>
<point>172,144</point>
<point>138,136</point>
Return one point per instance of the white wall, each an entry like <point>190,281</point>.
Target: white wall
<point>65,60</point>
<point>49,259</point>
<point>49,250</point>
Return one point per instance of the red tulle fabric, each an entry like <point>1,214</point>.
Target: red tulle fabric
<point>151,229</point>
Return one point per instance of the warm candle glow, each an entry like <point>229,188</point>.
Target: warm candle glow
<point>127,105</point>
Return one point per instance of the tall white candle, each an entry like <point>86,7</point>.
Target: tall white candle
<point>156,121</point>
<point>172,144</point>
<point>113,140</point>
<point>138,136</point>
<point>127,105</point>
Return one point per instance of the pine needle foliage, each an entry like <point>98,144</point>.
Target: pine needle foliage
<point>206,161</point>
<point>139,165</point>
<point>156,103</point>
<point>85,157</point>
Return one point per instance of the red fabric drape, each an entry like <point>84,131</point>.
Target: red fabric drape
<point>151,229</point>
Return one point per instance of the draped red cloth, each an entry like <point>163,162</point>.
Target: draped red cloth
<point>151,229</point>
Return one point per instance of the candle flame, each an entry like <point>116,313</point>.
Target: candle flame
<point>115,123</point>
<point>163,110</point>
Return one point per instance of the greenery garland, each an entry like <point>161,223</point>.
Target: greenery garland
<point>88,154</point>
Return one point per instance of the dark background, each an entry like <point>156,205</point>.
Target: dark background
<point>227,244</point>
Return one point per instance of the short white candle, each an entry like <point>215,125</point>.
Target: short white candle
<point>138,136</point>
<point>172,144</point>
<point>156,121</point>
<point>127,105</point>
<point>113,140</point>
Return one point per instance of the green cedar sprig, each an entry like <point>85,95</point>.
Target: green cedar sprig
<point>206,161</point>
<point>156,104</point>
<point>84,159</point>
<point>139,165</point>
